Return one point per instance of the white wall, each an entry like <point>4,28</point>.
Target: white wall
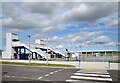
<point>8,53</point>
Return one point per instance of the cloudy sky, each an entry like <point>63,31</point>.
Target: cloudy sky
<point>73,25</point>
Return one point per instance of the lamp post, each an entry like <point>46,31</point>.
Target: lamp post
<point>79,57</point>
<point>29,49</point>
<point>47,53</point>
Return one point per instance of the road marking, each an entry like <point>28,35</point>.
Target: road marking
<point>51,72</point>
<point>60,70</point>
<point>70,80</point>
<point>56,71</point>
<point>12,76</point>
<point>91,78</point>
<point>7,76</point>
<point>24,77</point>
<point>92,72</point>
<point>82,74</point>
<point>40,77</point>
<point>20,77</point>
<point>47,75</point>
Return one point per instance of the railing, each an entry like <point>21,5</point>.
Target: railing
<point>33,46</point>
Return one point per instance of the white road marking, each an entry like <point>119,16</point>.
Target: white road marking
<point>13,76</point>
<point>40,77</point>
<point>20,77</point>
<point>91,75</point>
<point>7,76</point>
<point>24,77</point>
<point>56,71</point>
<point>51,72</point>
<point>60,70</point>
<point>70,80</point>
<point>47,75</point>
<point>91,78</point>
<point>92,72</point>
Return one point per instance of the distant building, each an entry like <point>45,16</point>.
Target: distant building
<point>15,49</point>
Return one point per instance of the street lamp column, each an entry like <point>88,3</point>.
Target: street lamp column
<point>47,53</point>
<point>29,50</point>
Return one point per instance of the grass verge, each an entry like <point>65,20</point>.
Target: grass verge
<point>115,61</point>
<point>37,64</point>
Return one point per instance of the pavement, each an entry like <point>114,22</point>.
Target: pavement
<point>83,65</point>
<point>27,74</point>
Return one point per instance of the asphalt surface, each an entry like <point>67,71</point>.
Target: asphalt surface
<point>115,75</point>
<point>23,73</point>
<point>20,74</point>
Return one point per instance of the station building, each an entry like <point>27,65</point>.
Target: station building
<point>15,49</point>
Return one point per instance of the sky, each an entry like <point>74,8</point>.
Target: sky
<point>74,26</point>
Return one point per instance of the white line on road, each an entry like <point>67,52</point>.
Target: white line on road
<point>20,77</point>
<point>12,76</point>
<point>91,75</point>
<point>51,72</point>
<point>56,71</point>
<point>60,70</point>
<point>92,72</point>
<point>70,80</point>
<point>47,75</point>
<point>91,78</point>
<point>24,77</point>
<point>40,77</point>
<point>7,76</point>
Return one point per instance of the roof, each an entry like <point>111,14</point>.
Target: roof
<point>98,50</point>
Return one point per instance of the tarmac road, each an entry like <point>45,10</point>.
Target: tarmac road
<point>23,73</point>
<point>20,74</point>
<point>115,75</point>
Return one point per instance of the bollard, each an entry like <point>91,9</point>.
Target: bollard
<point>109,65</point>
<point>79,64</point>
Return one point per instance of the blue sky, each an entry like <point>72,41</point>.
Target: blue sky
<point>72,25</point>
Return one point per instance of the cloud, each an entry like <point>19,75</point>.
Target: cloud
<point>101,40</point>
<point>90,12</point>
<point>82,39</point>
<point>79,37</point>
<point>110,44</point>
<point>60,46</point>
<point>114,24</point>
<point>44,18</point>
<point>44,8</point>
<point>53,15</point>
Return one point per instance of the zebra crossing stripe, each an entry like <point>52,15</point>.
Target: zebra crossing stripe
<point>93,72</point>
<point>82,74</point>
<point>70,80</point>
<point>90,78</point>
